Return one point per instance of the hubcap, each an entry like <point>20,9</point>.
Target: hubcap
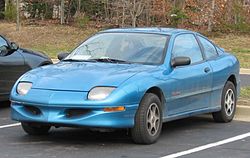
<point>153,119</point>
<point>229,102</point>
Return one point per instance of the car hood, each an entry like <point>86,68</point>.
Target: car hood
<point>82,76</point>
<point>40,54</point>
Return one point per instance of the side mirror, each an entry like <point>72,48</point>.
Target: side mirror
<point>14,46</point>
<point>62,55</point>
<point>4,51</point>
<point>180,61</point>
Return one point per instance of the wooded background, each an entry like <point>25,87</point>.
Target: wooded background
<point>201,15</point>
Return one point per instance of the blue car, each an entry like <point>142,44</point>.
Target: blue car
<point>135,79</point>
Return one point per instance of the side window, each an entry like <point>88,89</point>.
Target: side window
<point>3,42</point>
<point>209,48</point>
<point>3,47</point>
<point>186,45</point>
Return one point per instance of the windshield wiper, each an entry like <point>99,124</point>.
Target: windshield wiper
<point>110,60</point>
<point>78,60</point>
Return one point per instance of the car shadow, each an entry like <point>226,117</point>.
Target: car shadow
<point>4,104</point>
<point>83,136</point>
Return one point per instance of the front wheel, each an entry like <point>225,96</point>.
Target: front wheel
<point>148,120</point>
<point>228,104</point>
<point>35,129</point>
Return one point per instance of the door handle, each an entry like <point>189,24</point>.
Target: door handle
<point>207,69</point>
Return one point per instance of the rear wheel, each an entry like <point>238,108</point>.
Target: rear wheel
<point>35,129</point>
<point>228,104</point>
<point>148,120</point>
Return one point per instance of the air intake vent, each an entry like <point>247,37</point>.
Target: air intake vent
<point>33,110</point>
<point>76,112</point>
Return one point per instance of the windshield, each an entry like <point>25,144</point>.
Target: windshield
<point>121,47</point>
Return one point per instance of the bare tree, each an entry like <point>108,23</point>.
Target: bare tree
<point>6,4</point>
<point>136,8</point>
<point>78,8</point>
<point>68,9</point>
<point>147,11</point>
<point>210,20</point>
<point>17,15</point>
<point>123,12</point>
<point>106,9</point>
<point>62,12</point>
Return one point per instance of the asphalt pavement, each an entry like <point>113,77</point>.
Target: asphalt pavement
<point>245,80</point>
<point>177,136</point>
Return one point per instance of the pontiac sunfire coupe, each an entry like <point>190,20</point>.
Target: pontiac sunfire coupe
<point>134,78</point>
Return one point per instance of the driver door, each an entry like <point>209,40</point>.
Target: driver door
<point>11,67</point>
<point>191,85</point>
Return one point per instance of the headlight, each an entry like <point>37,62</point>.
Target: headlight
<point>100,93</point>
<point>23,88</point>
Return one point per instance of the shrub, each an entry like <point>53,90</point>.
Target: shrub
<point>1,10</point>
<point>1,15</point>
<point>82,20</point>
<point>39,9</point>
<point>10,12</point>
<point>176,16</point>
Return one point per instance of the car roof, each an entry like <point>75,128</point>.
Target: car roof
<point>157,30</point>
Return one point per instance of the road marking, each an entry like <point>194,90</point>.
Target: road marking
<point>211,145</point>
<point>10,125</point>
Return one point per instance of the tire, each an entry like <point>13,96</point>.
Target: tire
<point>35,129</point>
<point>145,130</point>
<point>228,104</point>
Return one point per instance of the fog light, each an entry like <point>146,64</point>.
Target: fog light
<point>114,109</point>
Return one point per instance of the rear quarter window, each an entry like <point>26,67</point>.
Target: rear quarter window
<point>209,49</point>
<point>219,50</point>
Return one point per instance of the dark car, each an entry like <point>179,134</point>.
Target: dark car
<point>14,62</point>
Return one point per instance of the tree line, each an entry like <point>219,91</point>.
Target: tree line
<point>210,15</point>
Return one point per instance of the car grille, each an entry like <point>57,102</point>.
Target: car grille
<point>69,113</point>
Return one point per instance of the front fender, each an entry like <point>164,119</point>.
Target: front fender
<point>35,60</point>
<point>139,84</point>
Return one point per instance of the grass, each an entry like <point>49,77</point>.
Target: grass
<point>52,39</point>
<point>245,92</point>
<point>244,96</point>
<point>239,45</point>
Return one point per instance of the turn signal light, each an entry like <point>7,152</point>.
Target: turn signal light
<point>114,109</point>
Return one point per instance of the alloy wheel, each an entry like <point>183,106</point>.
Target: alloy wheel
<point>153,119</point>
<point>229,102</point>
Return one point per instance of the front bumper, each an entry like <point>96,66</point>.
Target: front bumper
<point>67,116</point>
<point>52,107</point>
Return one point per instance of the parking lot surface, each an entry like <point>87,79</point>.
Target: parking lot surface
<point>176,136</point>
<point>245,80</point>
